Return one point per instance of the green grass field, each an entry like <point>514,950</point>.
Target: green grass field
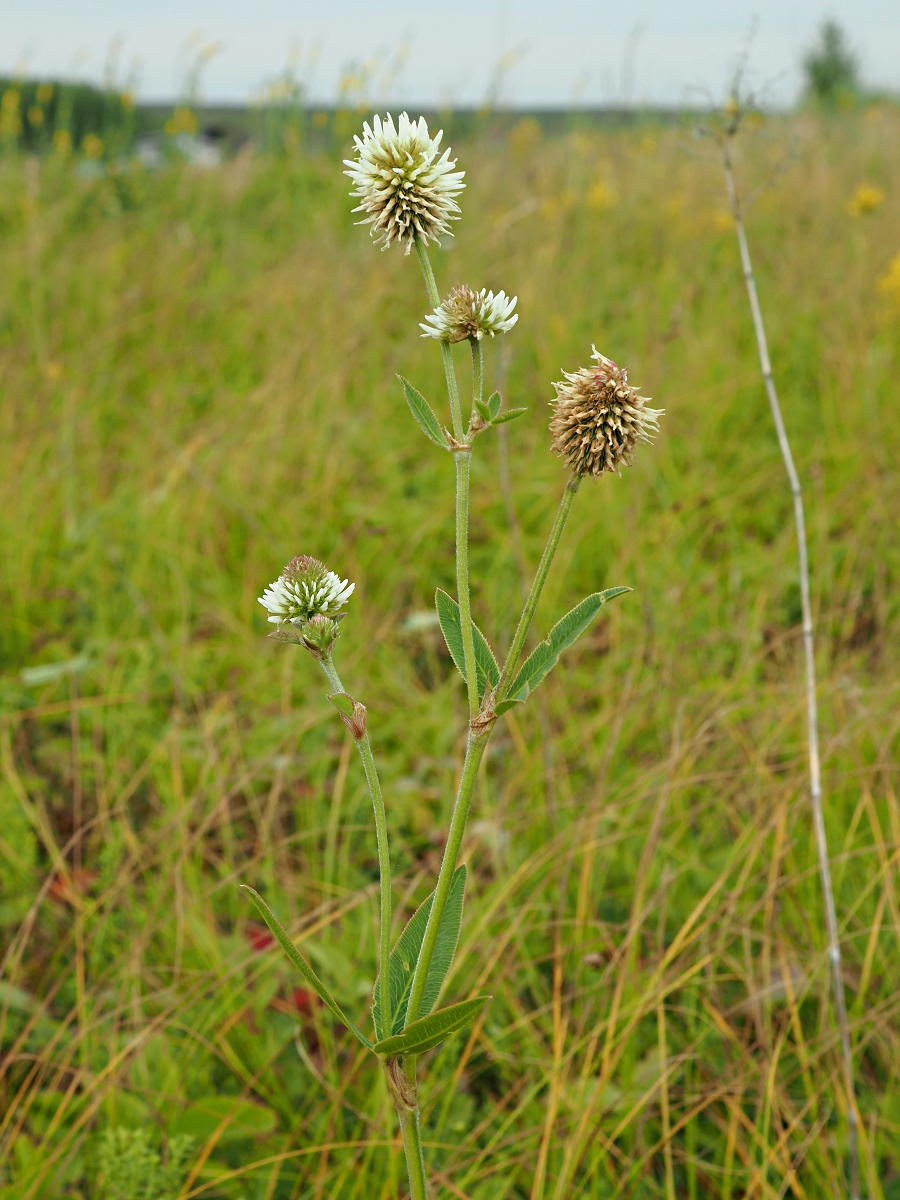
<point>197,381</point>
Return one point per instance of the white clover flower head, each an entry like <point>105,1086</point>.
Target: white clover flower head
<point>303,590</point>
<point>467,314</point>
<point>599,418</point>
<point>404,185</point>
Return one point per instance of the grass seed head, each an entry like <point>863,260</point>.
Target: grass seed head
<point>304,590</point>
<point>598,418</point>
<point>467,314</point>
<point>404,185</point>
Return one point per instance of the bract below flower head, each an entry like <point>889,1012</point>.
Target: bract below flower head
<point>598,418</point>
<point>467,314</point>
<point>404,185</point>
<point>303,590</point>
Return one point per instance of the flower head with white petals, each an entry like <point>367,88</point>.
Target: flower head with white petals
<point>303,590</point>
<point>467,314</point>
<point>404,185</point>
<point>598,418</point>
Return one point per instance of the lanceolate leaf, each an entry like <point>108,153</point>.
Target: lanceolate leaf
<point>486,667</point>
<point>302,965</point>
<point>424,414</point>
<point>563,634</point>
<point>483,411</point>
<point>494,404</point>
<point>421,1035</point>
<point>405,955</point>
<point>509,415</point>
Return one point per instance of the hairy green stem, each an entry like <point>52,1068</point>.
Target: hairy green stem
<point>364,746</point>
<point>559,524</point>
<point>477,371</point>
<point>415,1158</point>
<point>459,431</point>
<point>463,471</point>
<point>474,752</point>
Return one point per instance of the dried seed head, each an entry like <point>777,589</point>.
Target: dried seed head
<point>598,418</point>
<point>402,184</point>
<point>467,314</point>
<point>305,589</point>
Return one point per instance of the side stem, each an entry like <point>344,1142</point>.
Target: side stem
<point>446,353</point>
<point>364,746</point>
<point>463,472</point>
<point>812,721</point>
<point>518,642</point>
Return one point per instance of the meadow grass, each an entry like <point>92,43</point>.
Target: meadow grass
<point>197,373</point>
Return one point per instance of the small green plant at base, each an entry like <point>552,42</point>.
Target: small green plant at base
<point>130,1169</point>
<point>407,190</point>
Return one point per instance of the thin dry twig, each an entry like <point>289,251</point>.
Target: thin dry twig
<point>726,139</point>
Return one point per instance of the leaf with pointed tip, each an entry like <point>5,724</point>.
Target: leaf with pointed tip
<point>494,404</point>
<point>483,411</point>
<point>509,415</point>
<point>542,660</point>
<point>302,965</point>
<point>424,415</point>
<point>506,705</point>
<point>405,955</point>
<point>343,703</point>
<point>428,1031</point>
<point>486,667</point>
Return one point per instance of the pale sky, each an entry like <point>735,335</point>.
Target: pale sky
<point>556,51</point>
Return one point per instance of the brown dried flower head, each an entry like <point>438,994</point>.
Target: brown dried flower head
<point>598,418</point>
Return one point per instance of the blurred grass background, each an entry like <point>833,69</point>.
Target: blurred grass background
<point>197,372</point>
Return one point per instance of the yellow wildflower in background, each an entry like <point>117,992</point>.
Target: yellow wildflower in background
<point>182,120</point>
<point>10,119</point>
<point>889,283</point>
<point>36,115</point>
<point>92,145</point>
<point>865,200</point>
<point>601,197</point>
<point>62,142</point>
<point>44,92</point>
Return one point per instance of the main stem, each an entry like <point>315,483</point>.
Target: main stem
<point>518,642</point>
<point>812,720</point>
<point>364,746</point>
<point>412,1148</point>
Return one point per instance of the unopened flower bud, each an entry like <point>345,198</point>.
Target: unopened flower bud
<point>598,418</point>
<point>467,314</point>
<point>319,634</point>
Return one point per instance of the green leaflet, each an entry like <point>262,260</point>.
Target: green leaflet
<point>509,415</point>
<point>486,667</point>
<point>542,660</point>
<point>405,955</point>
<point>483,411</point>
<point>424,415</point>
<point>421,1035</point>
<point>343,703</point>
<point>302,965</point>
<point>493,404</point>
